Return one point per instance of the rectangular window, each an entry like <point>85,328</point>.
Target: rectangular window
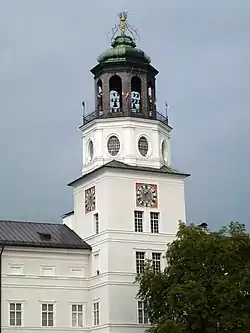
<point>96,264</point>
<point>48,315</point>
<point>15,314</point>
<point>77,315</point>
<point>142,313</point>
<point>96,313</point>
<point>156,262</point>
<point>154,222</point>
<point>138,220</point>
<point>140,260</point>
<point>96,221</point>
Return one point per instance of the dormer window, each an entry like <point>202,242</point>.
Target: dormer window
<point>44,236</point>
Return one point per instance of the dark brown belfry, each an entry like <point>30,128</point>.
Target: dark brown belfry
<point>124,79</point>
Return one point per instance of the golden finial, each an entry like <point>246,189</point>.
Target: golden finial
<point>124,27</point>
<point>123,22</point>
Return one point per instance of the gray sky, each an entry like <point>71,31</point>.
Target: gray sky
<point>201,49</point>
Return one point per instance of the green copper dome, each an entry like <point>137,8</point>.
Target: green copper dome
<point>123,48</point>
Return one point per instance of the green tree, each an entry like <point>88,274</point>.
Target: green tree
<point>205,287</point>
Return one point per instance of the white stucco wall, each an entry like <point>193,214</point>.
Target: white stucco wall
<point>109,271</point>
<point>68,219</point>
<point>116,201</point>
<point>117,242</point>
<point>114,292</point>
<point>128,130</point>
<point>30,288</point>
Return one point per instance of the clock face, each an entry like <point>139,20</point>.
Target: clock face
<point>90,199</point>
<point>146,195</point>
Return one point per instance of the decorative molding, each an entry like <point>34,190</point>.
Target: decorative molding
<point>127,232</point>
<point>163,178</point>
<point>15,269</point>
<point>46,270</point>
<point>74,270</point>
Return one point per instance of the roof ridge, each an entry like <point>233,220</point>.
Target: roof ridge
<point>30,222</point>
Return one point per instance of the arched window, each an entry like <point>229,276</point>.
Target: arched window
<point>151,98</point>
<point>115,93</point>
<point>164,151</point>
<point>99,95</point>
<point>135,94</point>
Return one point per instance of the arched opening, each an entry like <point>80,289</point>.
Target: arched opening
<point>164,151</point>
<point>89,151</point>
<point>99,95</point>
<point>115,94</point>
<point>136,94</point>
<point>150,98</point>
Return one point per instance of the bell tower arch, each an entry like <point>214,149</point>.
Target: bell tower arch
<point>126,81</point>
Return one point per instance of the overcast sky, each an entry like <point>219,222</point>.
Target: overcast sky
<point>201,49</point>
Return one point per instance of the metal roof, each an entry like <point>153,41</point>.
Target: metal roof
<point>33,234</point>
<point>120,165</point>
<point>163,169</point>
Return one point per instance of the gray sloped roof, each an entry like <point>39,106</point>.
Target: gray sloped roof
<point>163,169</point>
<point>120,165</point>
<point>32,234</point>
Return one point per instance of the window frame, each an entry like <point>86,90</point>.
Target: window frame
<point>15,311</point>
<point>96,313</point>
<point>144,314</point>
<point>164,151</point>
<point>154,228</point>
<point>90,150</point>
<point>138,221</point>
<point>139,261</point>
<point>113,148</point>
<point>77,314</point>
<point>143,146</point>
<point>96,263</point>
<point>96,223</point>
<point>47,311</point>
<point>156,262</point>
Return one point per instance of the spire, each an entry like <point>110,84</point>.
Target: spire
<point>123,22</point>
<point>124,28</point>
<point>123,46</point>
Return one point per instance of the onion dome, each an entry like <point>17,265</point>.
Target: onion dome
<point>123,49</point>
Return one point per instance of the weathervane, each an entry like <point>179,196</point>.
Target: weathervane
<point>124,27</point>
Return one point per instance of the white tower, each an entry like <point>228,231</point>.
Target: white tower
<point>129,199</point>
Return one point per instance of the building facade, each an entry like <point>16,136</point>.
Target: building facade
<point>127,205</point>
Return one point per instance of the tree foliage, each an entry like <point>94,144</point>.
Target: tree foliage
<point>205,287</point>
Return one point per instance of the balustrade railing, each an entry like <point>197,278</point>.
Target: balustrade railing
<point>119,113</point>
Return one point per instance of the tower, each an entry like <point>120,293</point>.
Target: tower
<point>129,198</point>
